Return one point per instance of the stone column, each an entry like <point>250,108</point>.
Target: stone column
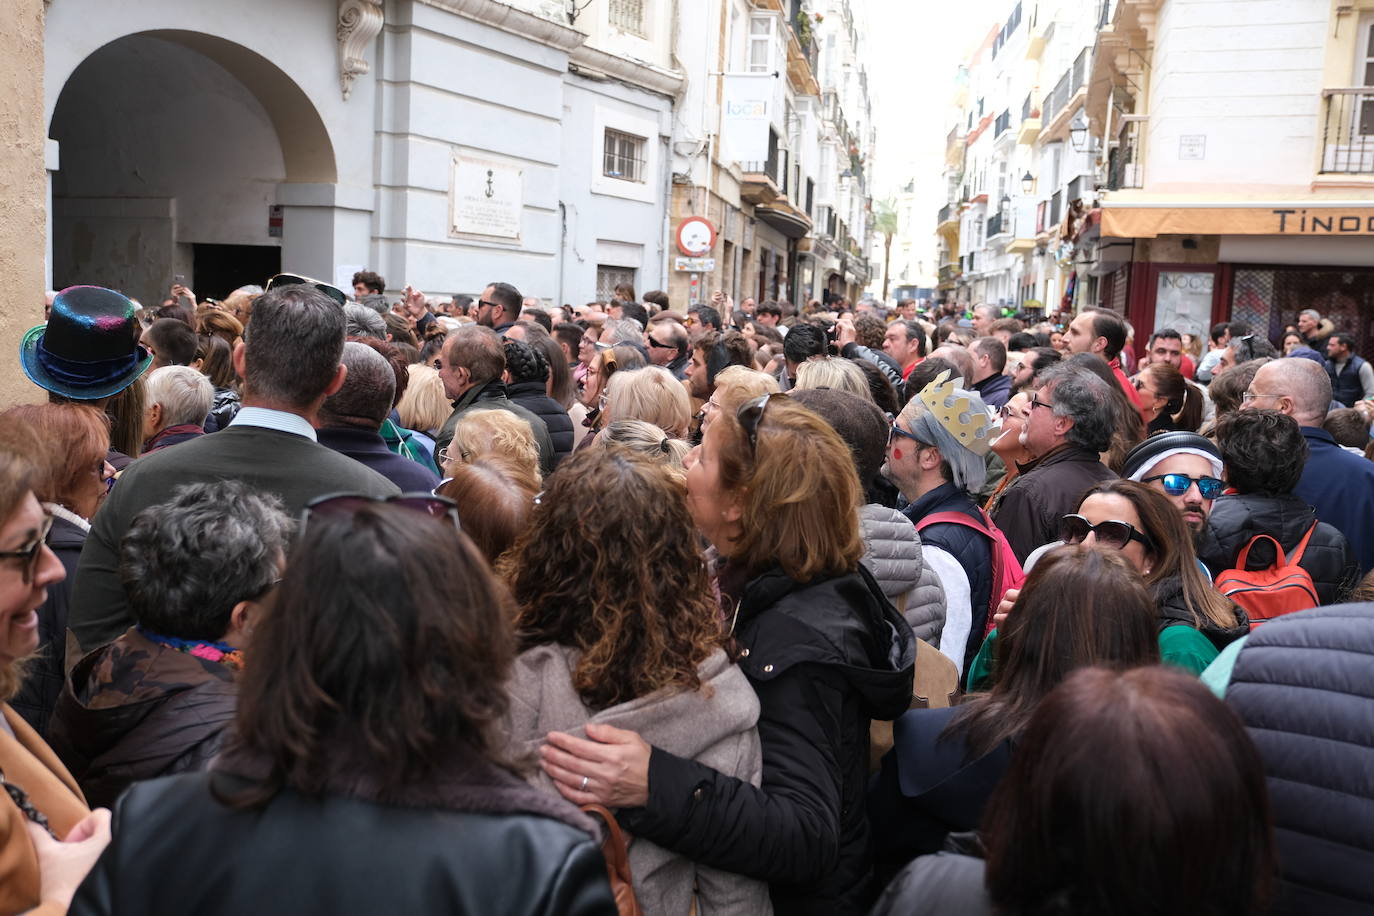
<point>23,188</point>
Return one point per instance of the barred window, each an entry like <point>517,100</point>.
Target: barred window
<point>608,277</point>
<point>624,156</point>
<point>628,16</point>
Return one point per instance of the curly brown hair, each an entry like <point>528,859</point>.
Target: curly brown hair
<point>611,566</point>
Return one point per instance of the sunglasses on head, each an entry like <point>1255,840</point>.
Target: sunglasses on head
<point>336,505</point>
<point>333,292</point>
<point>1074,529</point>
<point>29,553</point>
<point>750,415</point>
<point>1178,484</point>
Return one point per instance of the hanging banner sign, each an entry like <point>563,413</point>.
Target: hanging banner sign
<point>746,109</point>
<point>1303,219</point>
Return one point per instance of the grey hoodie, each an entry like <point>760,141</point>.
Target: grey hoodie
<point>714,725</point>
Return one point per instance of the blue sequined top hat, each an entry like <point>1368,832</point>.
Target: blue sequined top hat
<point>87,350</point>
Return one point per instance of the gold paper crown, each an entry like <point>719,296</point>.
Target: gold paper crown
<point>962,417</point>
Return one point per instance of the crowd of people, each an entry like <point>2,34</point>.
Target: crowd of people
<point>318,602</point>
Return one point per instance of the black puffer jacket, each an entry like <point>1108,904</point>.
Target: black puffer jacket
<point>45,673</point>
<point>1303,685</point>
<point>824,657</point>
<point>533,397</point>
<point>1236,519</point>
<point>483,843</point>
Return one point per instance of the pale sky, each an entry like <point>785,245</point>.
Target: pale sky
<point>914,48</point>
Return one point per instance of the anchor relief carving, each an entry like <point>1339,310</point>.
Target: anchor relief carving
<point>359,23</point>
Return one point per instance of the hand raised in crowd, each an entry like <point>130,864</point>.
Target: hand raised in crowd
<point>63,864</point>
<point>611,769</point>
<point>181,291</point>
<point>844,332</point>
<point>1008,599</point>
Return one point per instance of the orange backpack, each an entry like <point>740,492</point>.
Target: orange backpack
<point>1282,588</point>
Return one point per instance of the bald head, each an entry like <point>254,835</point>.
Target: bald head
<point>960,358</point>
<point>365,398</point>
<point>1298,387</point>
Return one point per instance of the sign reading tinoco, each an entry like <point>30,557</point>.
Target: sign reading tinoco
<point>485,198</point>
<point>1124,221</point>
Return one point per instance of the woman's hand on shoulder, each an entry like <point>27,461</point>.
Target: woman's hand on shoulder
<point>609,767</point>
<point>63,864</point>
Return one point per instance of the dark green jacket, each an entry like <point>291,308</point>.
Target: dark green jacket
<point>293,467</point>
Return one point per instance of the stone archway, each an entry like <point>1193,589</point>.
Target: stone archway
<point>173,147</point>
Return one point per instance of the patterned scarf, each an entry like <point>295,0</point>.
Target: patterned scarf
<point>210,651</point>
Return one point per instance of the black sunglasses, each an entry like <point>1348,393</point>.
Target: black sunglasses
<point>1074,529</point>
<point>341,504</point>
<point>1178,484</point>
<point>333,292</point>
<point>662,346</point>
<point>750,415</point>
<point>30,552</point>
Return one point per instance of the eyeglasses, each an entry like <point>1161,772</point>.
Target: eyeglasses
<point>1007,413</point>
<point>333,292</point>
<point>750,415</point>
<point>30,552</point>
<point>1249,396</point>
<point>894,431</point>
<point>1178,484</point>
<point>336,505</point>
<point>1036,402</point>
<point>1074,529</point>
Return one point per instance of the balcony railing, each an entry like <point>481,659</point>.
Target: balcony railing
<point>1056,202</point>
<point>1076,188</point>
<point>1057,98</point>
<point>1026,108</point>
<point>948,273</point>
<point>1002,124</point>
<point>945,214</point>
<point>1348,131</point>
<point>1125,164</point>
<point>1080,70</point>
<point>995,224</point>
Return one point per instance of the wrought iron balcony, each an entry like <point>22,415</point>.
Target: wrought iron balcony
<point>1348,131</point>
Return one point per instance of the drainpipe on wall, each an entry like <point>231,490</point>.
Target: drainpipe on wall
<point>562,248</point>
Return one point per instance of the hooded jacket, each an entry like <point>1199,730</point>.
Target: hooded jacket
<point>714,726</point>
<point>1236,519</point>
<point>892,553</point>
<point>825,658</point>
<point>135,710</point>
<point>534,397</point>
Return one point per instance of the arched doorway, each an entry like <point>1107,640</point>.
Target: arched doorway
<point>173,146</point>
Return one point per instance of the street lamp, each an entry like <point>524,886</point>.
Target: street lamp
<point>1078,131</point>
<point>1027,183</point>
<point>1004,203</point>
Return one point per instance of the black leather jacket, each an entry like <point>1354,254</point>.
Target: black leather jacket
<point>178,849</point>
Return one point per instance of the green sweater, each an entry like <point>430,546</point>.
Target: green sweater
<point>293,467</point>
<point>1181,646</point>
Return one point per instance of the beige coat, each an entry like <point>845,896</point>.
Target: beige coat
<point>714,725</point>
<point>29,764</point>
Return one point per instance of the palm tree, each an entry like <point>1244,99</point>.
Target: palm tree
<point>885,222</point>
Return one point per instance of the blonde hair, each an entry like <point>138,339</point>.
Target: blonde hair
<point>738,384</point>
<point>480,433</point>
<point>650,394</point>
<point>645,439</point>
<point>424,406</point>
<point>834,372</point>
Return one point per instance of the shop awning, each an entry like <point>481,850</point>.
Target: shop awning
<point>1146,220</point>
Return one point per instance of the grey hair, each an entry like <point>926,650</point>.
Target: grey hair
<point>367,392</point>
<point>1079,395</point>
<point>967,471</point>
<point>292,345</point>
<point>833,372</point>
<point>1307,383</point>
<point>186,563</point>
<point>646,439</point>
<point>623,330</point>
<point>364,321</point>
<point>1312,313</point>
<point>185,394</point>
